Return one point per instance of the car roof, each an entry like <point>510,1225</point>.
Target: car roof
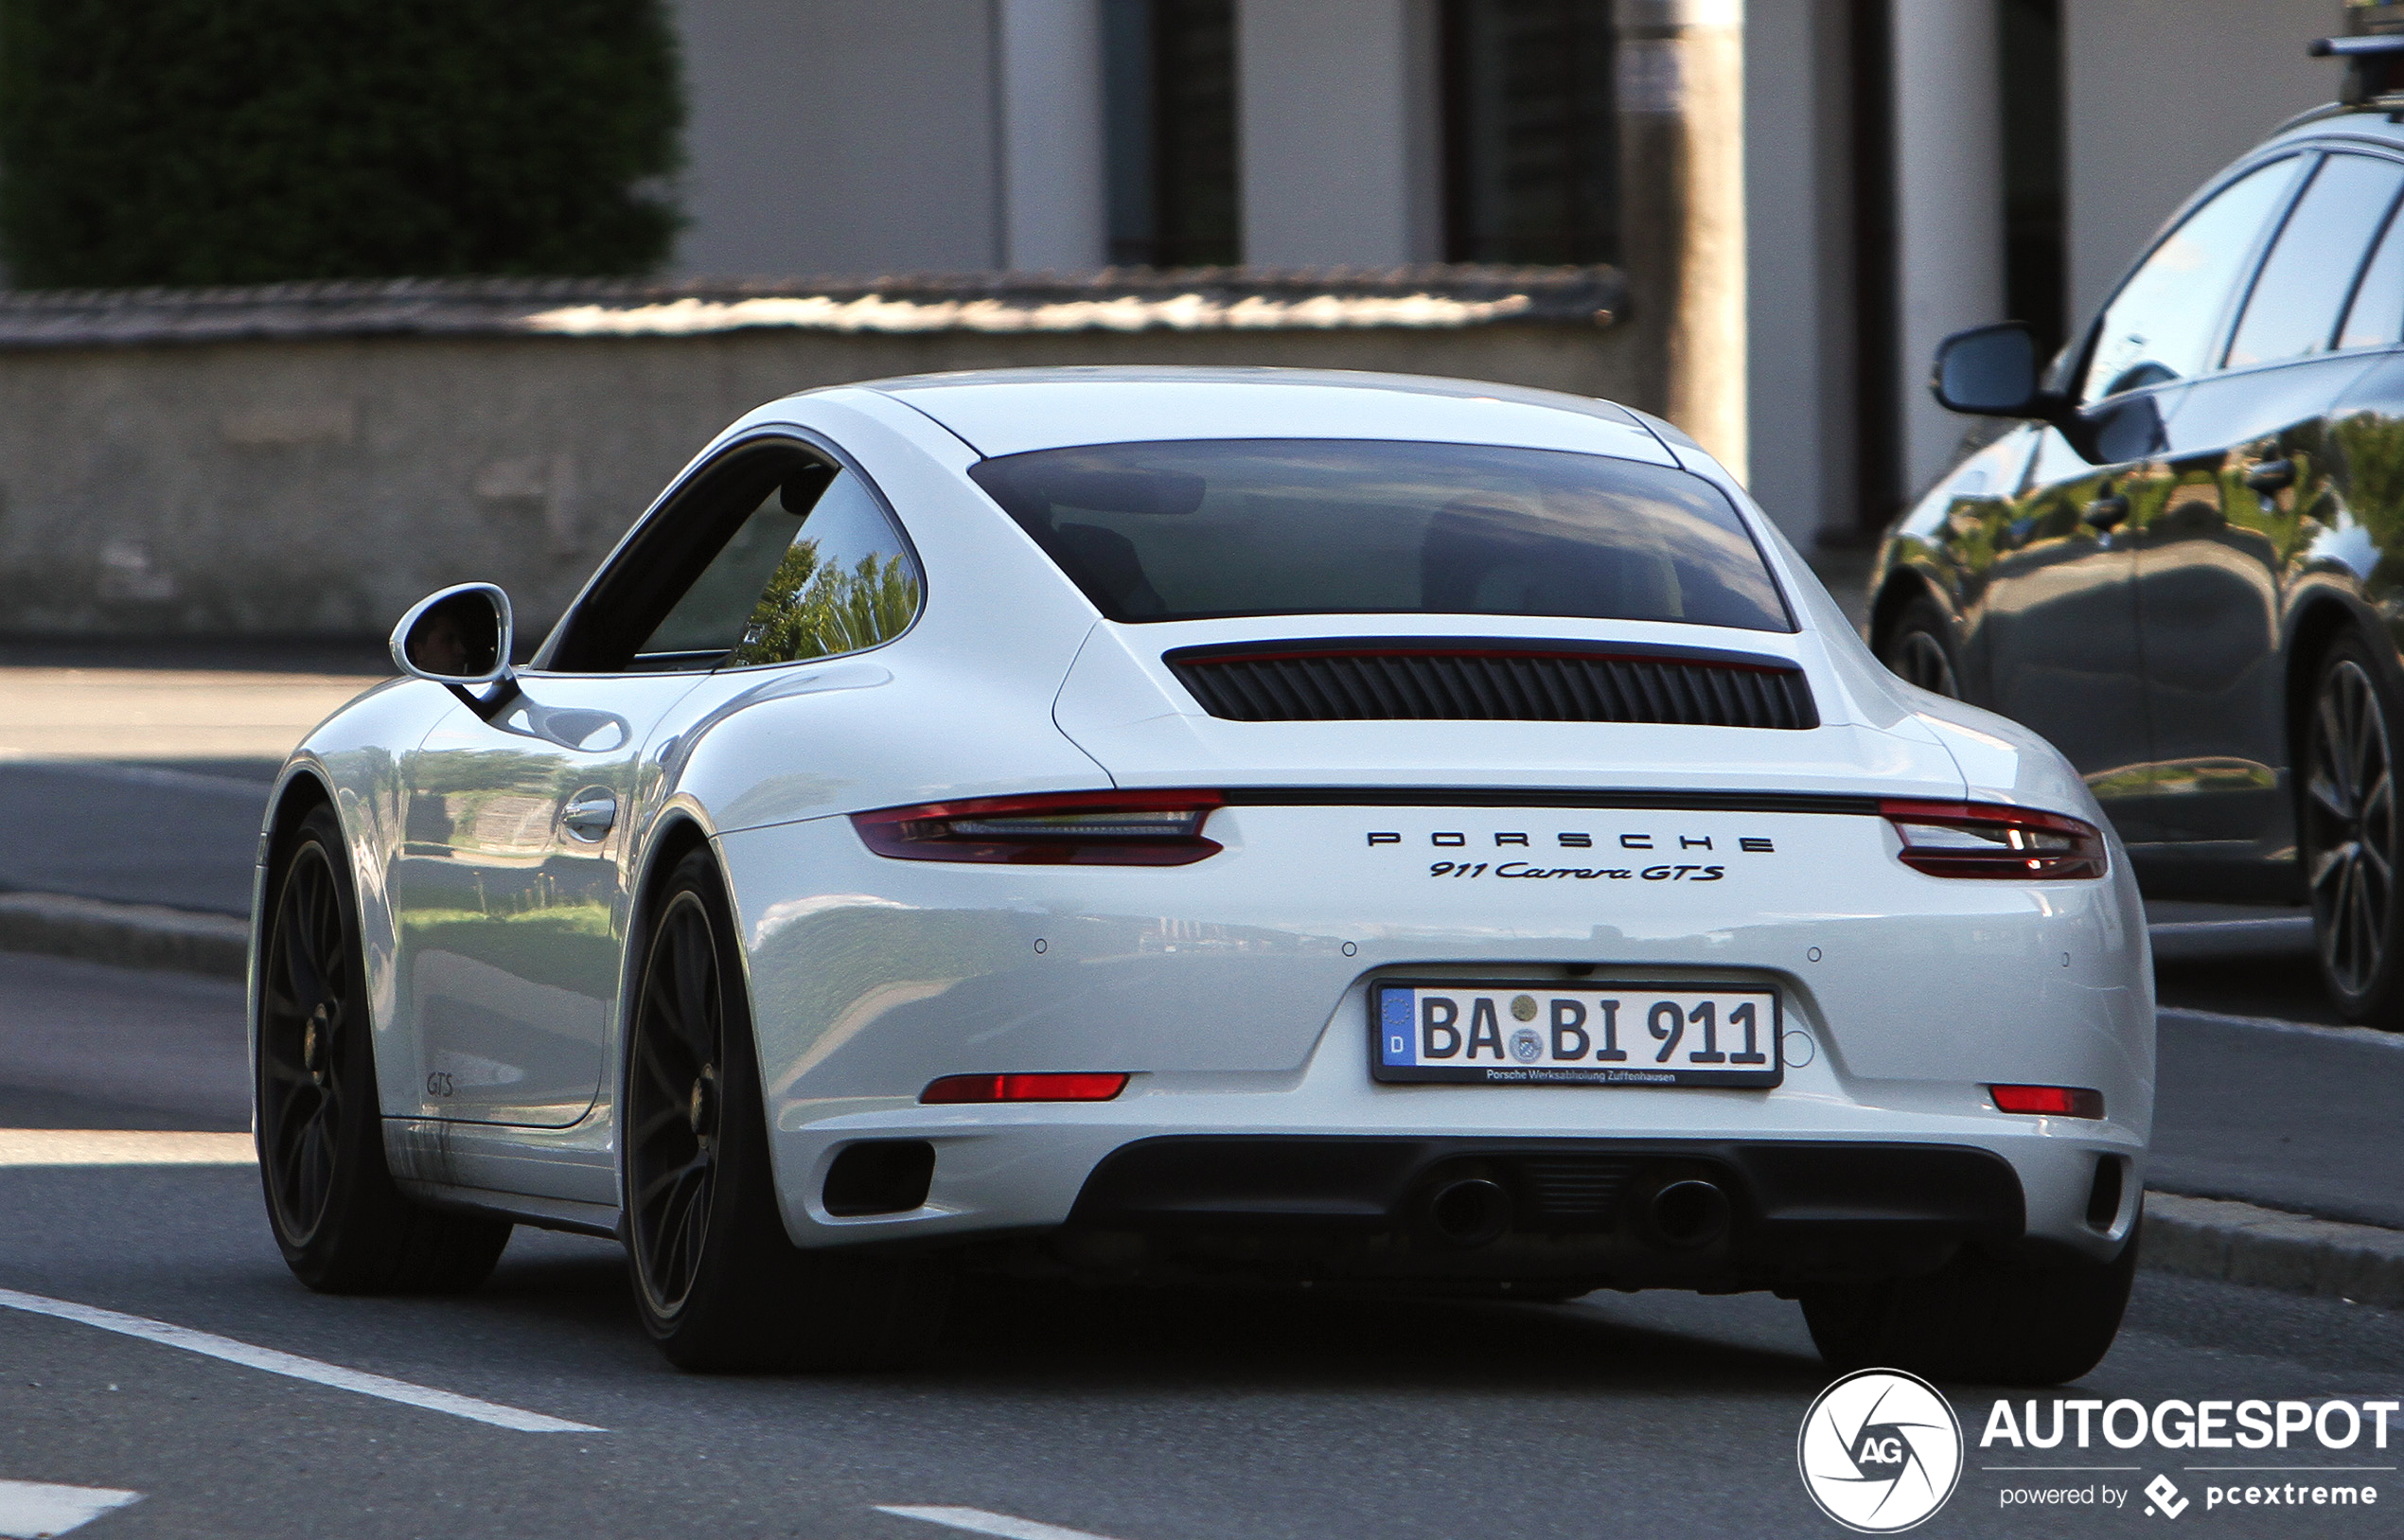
<point>1013,411</point>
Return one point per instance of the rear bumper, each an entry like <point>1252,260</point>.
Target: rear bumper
<point>1652,1213</point>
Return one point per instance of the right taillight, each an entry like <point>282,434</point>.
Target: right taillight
<point>1990,839</point>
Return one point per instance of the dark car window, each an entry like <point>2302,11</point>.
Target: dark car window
<point>2376,319</point>
<point>2162,322</point>
<point>815,569</point>
<point>1187,530</point>
<point>2293,309</point>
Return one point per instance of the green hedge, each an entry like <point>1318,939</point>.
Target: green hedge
<point>247,141</point>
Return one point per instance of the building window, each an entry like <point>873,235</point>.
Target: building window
<point>1169,86</point>
<point>1532,148</point>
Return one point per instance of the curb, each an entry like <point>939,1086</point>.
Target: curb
<point>127,935</point>
<point>2236,1243</point>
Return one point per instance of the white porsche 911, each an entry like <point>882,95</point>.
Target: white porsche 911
<point>1184,825</point>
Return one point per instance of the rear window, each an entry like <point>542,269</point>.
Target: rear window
<point>1199,528</point>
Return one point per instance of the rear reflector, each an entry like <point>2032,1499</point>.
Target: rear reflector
<point>2059,1101</point>
<point>1989,840</point>
<point>1075,829</point>
<point>1055,1087</point>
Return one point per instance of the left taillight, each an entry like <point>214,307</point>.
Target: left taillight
<point>1990,839</point>
<point>1072,828</point>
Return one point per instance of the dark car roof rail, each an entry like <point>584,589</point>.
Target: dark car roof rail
<point>2374,65</point>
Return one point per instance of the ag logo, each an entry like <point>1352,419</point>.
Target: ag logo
<point>1879,1451</point>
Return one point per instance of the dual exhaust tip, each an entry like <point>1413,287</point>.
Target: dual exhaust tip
<point>1470,1211</point>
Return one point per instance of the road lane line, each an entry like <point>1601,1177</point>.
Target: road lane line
<point>30,1508</point>
<point>2365,1037</point>
<point>292,1366</point>
<point>123,1147</point>
<point>977,1521</point>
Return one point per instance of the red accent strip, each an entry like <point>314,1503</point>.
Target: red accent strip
<point>952,1089</point>
<point>2058,1101</point>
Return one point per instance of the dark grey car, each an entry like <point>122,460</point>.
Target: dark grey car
<point>2184,564</point>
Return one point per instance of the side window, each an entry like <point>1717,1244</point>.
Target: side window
<point>2161,325</point>
<point>2293,309</point>
<point>815,569</point>
<point>2376,319</point>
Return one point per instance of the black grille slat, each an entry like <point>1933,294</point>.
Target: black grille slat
<point>1576,1187</point>
<point>1251,685</point>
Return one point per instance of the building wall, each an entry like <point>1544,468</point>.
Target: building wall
<point>323,484</point>
<point>842,138</point>
<point>2160,95</point>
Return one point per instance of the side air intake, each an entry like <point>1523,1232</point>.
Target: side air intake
<point>1504,681</point>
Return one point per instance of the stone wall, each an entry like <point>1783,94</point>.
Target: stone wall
<point>310,459</point>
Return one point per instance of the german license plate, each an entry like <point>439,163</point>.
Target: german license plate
<point>1587,1035</point>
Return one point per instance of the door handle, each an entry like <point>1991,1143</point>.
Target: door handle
<point>2271,476</point>
<point>590,814</point>
<point>2105,512</point>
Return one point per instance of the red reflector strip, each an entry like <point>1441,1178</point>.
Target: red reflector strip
<point>2059,1101</point>
<point>1072,828</point>
<point>1052,1088</point>
<point>1995,840</point>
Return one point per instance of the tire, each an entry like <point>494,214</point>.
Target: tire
<point>341,1224</point>
<point>1920,648</point>
<point>2349,833</point>
<point>720,1285</point>
<point>1978,1319</point>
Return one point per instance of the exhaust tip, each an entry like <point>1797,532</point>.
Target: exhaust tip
<point>1470,1212</point>
<point>1691,1213</point>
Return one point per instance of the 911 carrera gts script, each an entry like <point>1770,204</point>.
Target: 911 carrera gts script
<point>1583,873</point>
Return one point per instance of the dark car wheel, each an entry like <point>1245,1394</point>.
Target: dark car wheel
<point>1920,648</point>
<point>1979,1319</point>
<point>2349,833</point>
<point>341,1224</point>
<point>718,1283</point>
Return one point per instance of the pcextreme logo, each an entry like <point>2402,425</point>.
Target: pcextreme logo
<point>1879,1451</point>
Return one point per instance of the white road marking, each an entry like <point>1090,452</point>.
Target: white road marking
<point>30,1509</point>
<point>2365,1037</point>
<point>2277,924</point>
<point>122,1147</point>
<point>292,1365</point>
<point>977,1521</point>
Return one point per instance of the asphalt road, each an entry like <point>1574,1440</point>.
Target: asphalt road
<point>1134,1416</point>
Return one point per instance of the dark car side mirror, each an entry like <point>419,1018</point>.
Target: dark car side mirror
<point>1988,372</point>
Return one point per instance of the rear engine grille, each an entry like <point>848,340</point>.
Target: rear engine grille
<point>1475,680</point>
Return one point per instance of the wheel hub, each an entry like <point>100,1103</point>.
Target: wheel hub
<point>316,1033</point>
<point>701,1107</point>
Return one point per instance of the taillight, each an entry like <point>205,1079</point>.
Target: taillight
<point>1074,828</point>
<point>1046,1087</point>
<point>1988,840</point>
<point>2059,1101</point>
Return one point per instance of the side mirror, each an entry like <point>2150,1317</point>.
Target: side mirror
<point>1988,372</point>
<point>459,637</point>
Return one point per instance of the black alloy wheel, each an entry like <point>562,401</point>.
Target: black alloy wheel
<point>718,1283</point>
<point>1918,651</point>
<point>306,988</point>
<point>674,1105</point>
<point>341,1224</point>
<point>2349,832</point>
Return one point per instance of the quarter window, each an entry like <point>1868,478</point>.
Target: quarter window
<point>2293,309</point>
<point>815,569</point>
<point>2161,325</point>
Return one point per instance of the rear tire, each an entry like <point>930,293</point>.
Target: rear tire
<point>720,1285</point>
<point>1920,648</point>
<point>341,1224</point>
<point>1978,1319</point>
<point>2349,833</point>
